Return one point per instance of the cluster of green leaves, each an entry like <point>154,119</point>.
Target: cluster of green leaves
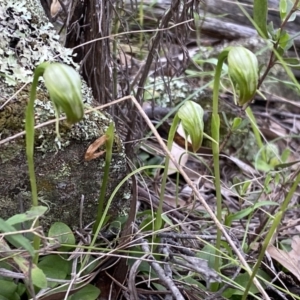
<point>49,272</point>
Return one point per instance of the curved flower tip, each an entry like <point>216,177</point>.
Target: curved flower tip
<point>64,86</point>
<point>243,71</point>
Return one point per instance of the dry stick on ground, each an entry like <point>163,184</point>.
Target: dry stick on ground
<point>131,278</point>
<point>161,273</point>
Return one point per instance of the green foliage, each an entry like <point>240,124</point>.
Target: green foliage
<point>108,156</point>
<point>9,290</point>
<point>243,213</point>
<point>33,213</point>
<point>89,292</point>
<point>242,69</point>
<point>209,253</point>
<point>240,282</point>
<point>260,14</point>
<point>55,267</point>
<point>14,238</point>
<point>63,234</point>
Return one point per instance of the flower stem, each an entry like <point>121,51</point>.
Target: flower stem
<point>29,128</point>
<point>215,129</point>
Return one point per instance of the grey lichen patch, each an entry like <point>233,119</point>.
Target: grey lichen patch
<point>167,93</point>
<point>64,171</point>
<point>63,177</point>
<point>26,40</point>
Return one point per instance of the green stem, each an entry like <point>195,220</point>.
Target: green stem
<point>108,157</point>
<point>158,220</point>
<point>274,226</point>
<point>290,194</point>
<point>215,128</point>
<point>266,242</point>
<point>256,132</point>
<point>29,128</point>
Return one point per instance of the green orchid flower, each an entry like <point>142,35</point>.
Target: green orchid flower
<point>243,72</point>
<point>64,86</point>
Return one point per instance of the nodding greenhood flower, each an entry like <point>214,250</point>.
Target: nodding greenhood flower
<point>191,116</point>
<point>243,71</point>
<point>64,86</point>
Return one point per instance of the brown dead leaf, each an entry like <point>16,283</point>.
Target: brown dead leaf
<point>91,151</point>
<point>289,260</point>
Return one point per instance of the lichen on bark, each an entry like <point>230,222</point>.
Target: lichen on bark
<point>27,39</point>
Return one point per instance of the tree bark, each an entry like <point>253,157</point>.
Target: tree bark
<point>95,18</point>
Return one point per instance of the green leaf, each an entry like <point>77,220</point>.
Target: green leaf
<point>271,30</point>
<point>277,179</point>
<point>33,213</point>
<point>147,223</point>
<point>8,289</point>
<point>89,292</point>
<point>236,123</point>
<point>242,280</point>
<point>167,220</point>
<point>286,165</point>
<point>55,267</point>
<point>38,277</point>
<point>63,233</point>
<point>261,165</point>
<point>283,9</point>
<point>159,287</point>
<point>16,239</point>
<point>245,212</point>
<point>245,186</point>
<point>292,17</point>
<point>285,155</point>
<point>209,254</point>
<point>285,41</point>
<point>292,62</point>
<point>21,289</point>
<point>90,266</point>
<point>260,15</point>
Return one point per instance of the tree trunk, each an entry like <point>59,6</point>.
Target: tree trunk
<point>91,20</point>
